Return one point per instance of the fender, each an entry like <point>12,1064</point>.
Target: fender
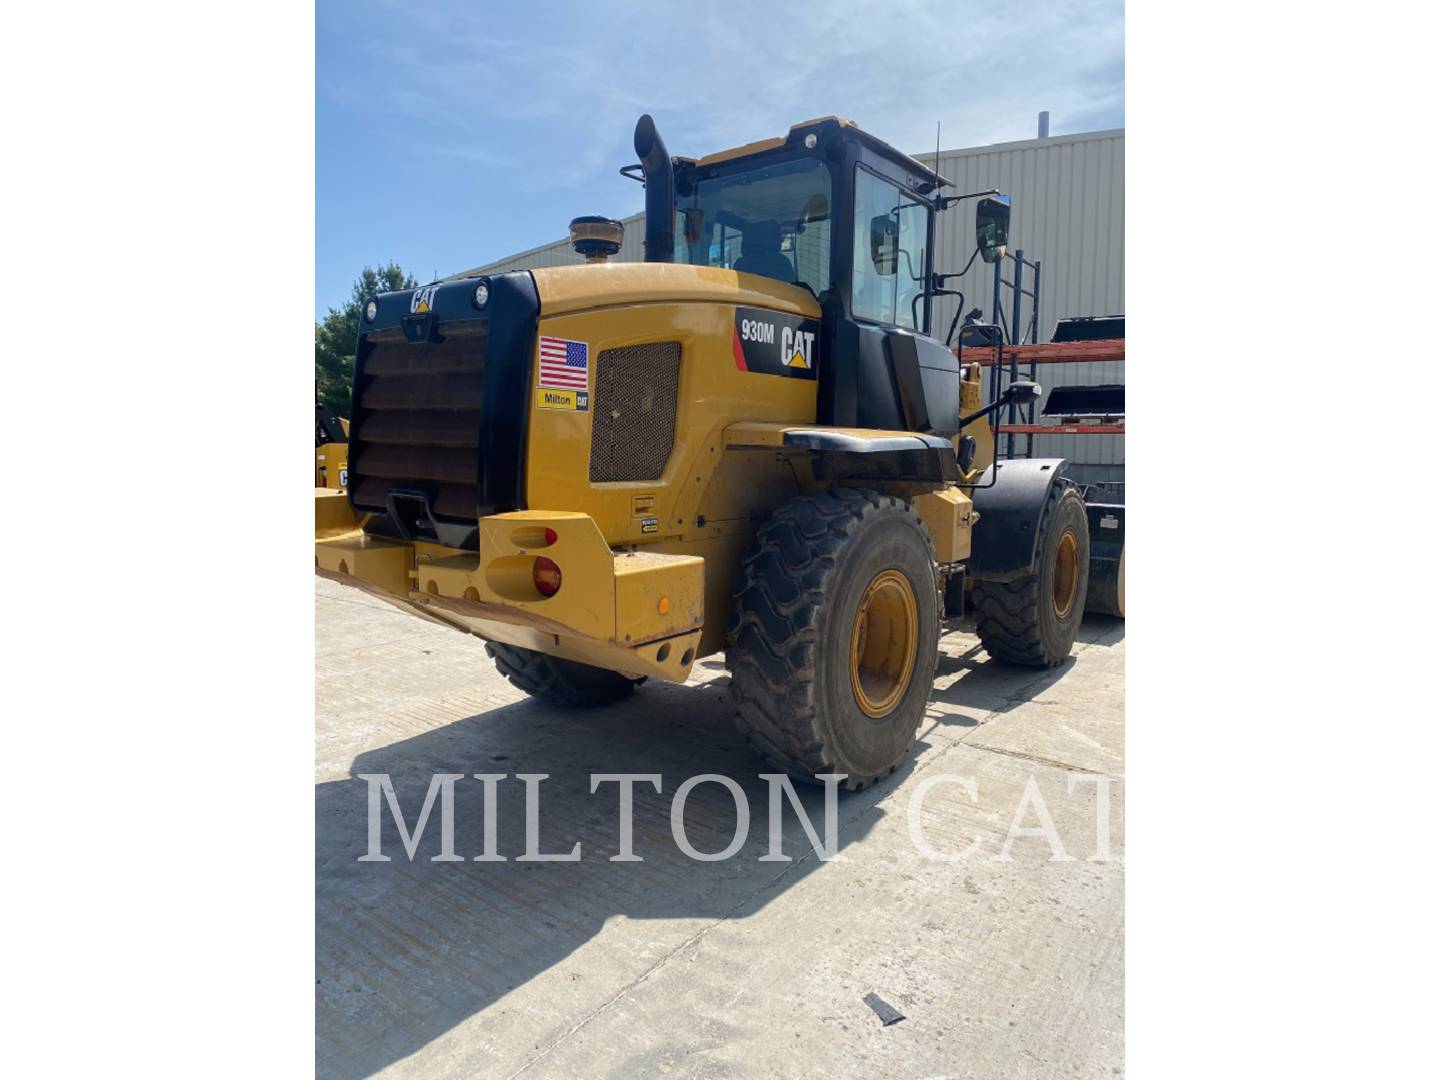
<point>1004,537</point>
<point>852,453</point>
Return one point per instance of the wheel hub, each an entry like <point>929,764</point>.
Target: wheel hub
<point>883,643</point>
<point>1067,574</point>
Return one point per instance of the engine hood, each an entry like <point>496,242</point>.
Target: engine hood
<point>565,289</point>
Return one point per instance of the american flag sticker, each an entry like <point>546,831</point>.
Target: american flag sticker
<point>564,365</point>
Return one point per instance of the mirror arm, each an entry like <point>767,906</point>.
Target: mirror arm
<point>947,201</point>
<point>966,421</point>
<point>994,406</point>
<point>942,278</point>
<point>937,288</point>
<point>1011,395</point>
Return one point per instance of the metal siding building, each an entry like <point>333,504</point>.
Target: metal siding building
<point>560,253</point>
<point>1068,213</point>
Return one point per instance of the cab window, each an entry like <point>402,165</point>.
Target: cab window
<point>773,220</point>
<point>891,232</point>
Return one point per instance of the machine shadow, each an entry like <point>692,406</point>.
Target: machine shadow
<point>987,684</point>
<point>406,950</point>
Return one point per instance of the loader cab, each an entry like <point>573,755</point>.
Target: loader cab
<point>828,207</point>
<point>834,210</point>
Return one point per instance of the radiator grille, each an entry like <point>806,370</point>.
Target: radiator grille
<point>634,411</point>
<point>417,424</point>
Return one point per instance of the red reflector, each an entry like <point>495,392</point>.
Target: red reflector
<point>547,576</point>
<point>551,536</point>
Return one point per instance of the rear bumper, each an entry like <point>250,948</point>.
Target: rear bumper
<point>636,612</point>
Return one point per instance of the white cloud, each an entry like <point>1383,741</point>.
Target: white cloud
<point>500,88</point>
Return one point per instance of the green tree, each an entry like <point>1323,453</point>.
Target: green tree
<point>335,335</point>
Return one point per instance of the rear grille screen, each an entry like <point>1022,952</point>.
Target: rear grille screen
<point>633,429</point>
<point>417,424</point>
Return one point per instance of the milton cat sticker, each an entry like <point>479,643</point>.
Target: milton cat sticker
<point>564,400</point>
<point>769,343</point>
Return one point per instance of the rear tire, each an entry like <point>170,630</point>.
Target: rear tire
<point>1107,586</point>
<point>1033,620</point>
<point>833,635</point>
<point>559,681</point>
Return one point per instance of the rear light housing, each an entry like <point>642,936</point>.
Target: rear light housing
<point>546,576</point>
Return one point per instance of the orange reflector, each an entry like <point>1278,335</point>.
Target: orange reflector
<point>547,576</point>
<point>664,605</point>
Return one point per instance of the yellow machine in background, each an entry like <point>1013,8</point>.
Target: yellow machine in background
<point>746,444</point>
<point>332,449</point>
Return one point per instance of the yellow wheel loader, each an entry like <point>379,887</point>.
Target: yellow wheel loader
<point>332,437</point>
<point>747,443</point>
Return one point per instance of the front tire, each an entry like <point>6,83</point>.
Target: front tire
<point>1033,621</point>
<point>559,681</point>
<point>833,636</point>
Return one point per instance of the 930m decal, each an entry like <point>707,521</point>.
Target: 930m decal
<point>769,343</point>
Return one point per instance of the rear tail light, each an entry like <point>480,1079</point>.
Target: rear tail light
<point>547,576</point>
<point>551,536</point>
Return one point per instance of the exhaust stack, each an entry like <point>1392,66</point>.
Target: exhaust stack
<point>659,192</point>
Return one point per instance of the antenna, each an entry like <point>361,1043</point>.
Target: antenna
<point>939,228</point>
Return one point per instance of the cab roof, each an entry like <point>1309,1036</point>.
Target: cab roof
<point>846,129</point>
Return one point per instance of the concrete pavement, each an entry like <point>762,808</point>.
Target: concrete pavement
<point>743,968</point>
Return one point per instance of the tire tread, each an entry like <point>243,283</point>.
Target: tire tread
<point>781,588</point>
<point>561,682</point>
<point>1007,613</point>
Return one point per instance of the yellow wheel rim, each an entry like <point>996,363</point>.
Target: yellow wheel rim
<point>883,641</point>
<point>1067,574</point>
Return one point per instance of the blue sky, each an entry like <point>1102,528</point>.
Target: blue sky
<point>449,134</point>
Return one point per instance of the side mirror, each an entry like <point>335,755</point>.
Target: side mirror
<point>885,244</point>
<point>1019,392</point>
<point>1022,392</point>
<point>992,226</point>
